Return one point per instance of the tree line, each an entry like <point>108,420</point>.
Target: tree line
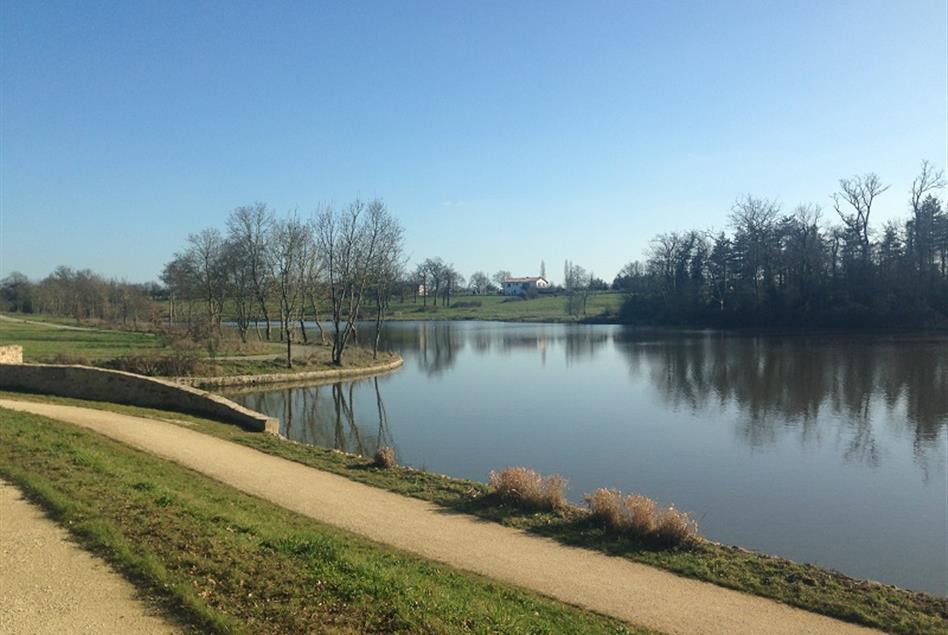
<point>794,269</point>
<point>282,270</point>
<point>81,295</point>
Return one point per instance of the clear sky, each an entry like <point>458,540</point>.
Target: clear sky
<point>500,133</point>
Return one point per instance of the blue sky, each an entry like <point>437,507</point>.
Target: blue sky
<point>500,133</point>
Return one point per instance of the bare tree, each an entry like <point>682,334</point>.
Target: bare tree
<point>479,283</point>
<point>291,253</point>
<point>347,241</point>
<point>386,266</point>
<point>239,285</point>
<point>858,193</point>
<point>206,255</point>
<point>251,227</point>
<point>500,276</point>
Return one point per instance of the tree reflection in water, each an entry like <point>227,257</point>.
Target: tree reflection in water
<point>783,384</point>
<point>325,415</point>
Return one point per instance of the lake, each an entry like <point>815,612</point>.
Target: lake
<point>821,448</point>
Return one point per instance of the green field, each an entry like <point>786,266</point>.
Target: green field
<point>544,308</point>
<point>806,586</point>
<point>222,561</point>
<point>42,343</point>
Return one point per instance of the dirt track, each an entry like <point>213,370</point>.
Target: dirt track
<point>613,586</point>
<point>50,585</point>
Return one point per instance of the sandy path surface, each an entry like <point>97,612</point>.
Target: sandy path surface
<point>613,586</point>
<point>48,584</point>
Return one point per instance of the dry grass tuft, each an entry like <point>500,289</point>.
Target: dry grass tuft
<point>385,457</point>
<point>639,516</point>
<point>675,527</point>
<point>523,486</point>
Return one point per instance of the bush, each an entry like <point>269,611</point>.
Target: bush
<point>638,516</point>
<point>525,487</point>
<point>675,528</point>
<point>385,457</point>
<point>70,360</point>
<point>175,364</point>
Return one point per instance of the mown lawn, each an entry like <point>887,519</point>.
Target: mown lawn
<point>113,347</point>
<point>46,343</point>
<point>806,586</point>
<point>225,562</point>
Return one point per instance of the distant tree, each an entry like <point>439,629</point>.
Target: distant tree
<point>925,221</point>
<point>853,204</point>
<point>16,293</point>
<point>386,265</point>
<point>479,283</point>
<point>500,276</point>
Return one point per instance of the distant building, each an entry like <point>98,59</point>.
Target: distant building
<point>520,286</point>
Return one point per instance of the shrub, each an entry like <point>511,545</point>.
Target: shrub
<point>70,359</point>
<point>638,516</point>
<point>385,457</point>
<point>675,528</point>
<point>525,487</point>
<point>174,364</point>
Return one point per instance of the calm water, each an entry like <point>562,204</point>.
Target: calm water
<point>824,449</point>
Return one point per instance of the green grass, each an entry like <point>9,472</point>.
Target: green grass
<point>543,308</point>
<point>316,358</point>
<point>805,586</point>
<point>45,343</point>
<point>222,561</point>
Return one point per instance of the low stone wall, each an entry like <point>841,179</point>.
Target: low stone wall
<point>11,354</point>
<point>313,376</point>
<point>99,384</point>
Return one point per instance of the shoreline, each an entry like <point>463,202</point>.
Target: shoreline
<point>312,376</point>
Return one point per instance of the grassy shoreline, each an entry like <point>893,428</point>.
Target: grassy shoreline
<point>805,586</point>
<point>222,561</point>
<point>148,354</point>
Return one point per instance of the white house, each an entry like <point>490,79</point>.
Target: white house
<point>520,286</point>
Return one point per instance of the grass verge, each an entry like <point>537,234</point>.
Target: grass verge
<point>805,586</point>
<point>225,562</point>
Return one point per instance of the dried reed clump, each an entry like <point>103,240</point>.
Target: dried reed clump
<point>639,516</point>
<point>525,487</point>
<point>675,527</point>
<point>385,457</point>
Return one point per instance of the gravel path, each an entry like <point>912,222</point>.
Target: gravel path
<point>613,586</point>
<point>48,584</point>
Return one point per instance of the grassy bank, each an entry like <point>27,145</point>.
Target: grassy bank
<point>43,343</point>
<point>151,354</point>
<point>809,587</point>
<point>544,308</point>
<point>222,561</point>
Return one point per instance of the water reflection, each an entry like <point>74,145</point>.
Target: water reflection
<point>803,385</point>
<point>325,415</point>
<point>820,388</point>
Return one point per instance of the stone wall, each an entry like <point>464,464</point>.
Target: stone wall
<point>99,384</point>
<point>11,354</point>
